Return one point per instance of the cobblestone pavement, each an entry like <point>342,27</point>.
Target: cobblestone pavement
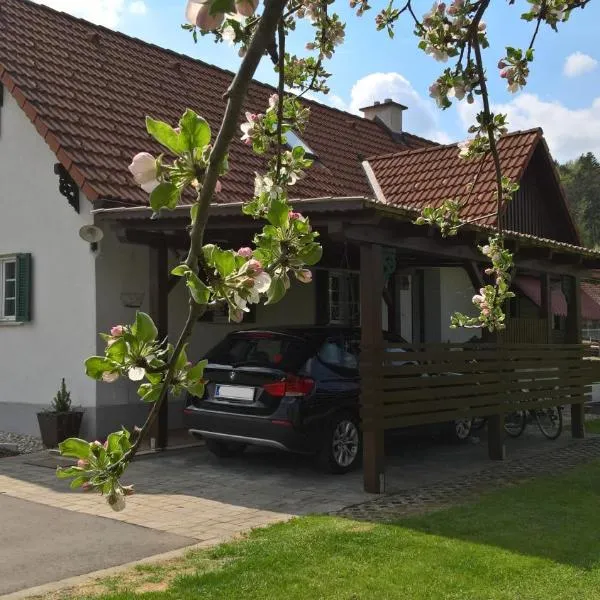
<point>451,492</point>
<point>191,493</point>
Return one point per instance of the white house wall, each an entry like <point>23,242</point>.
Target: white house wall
<point>35,218</point>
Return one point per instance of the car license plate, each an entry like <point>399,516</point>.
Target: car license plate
<point>234,392</point>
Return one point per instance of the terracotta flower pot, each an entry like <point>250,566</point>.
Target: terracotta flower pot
<point>57,427</point>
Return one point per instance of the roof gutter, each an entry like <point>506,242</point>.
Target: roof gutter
<point>324,204</point>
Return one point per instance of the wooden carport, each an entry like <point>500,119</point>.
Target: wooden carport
<point>371,229</point>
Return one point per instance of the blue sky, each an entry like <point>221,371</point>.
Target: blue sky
<point>563,95</point>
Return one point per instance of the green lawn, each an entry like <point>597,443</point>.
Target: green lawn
<point>592,426</point>
<point>538,540</point>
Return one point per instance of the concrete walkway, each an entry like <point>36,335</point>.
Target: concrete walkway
<point>40,544</point>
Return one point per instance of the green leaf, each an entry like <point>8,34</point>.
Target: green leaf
<point>180,270</point>
<point>276,291</point>
<point>96,366</point>
<point>224,261</point>
<point>144,328</point>
<point>200,293</point>
<point>114,442</point>
<point>298,152</point>
<point>197,371</point>
<point>165,195</point>
<point>197,389</point>
<point>75,448</point>
<point>117,351</point>
<point>78,482</point>
<point>311,254</point>
<point>181,359</point>
<point>194,212</point>
<point>149,392</point>
<point>195,131</point>
<point>67,472</point>
<point>279,213</point>
<point>164,134</point>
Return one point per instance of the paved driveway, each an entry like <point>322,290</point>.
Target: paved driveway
<point>40,544</point>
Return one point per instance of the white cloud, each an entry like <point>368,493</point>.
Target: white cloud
<point>102,12</point>
<point>138,7</point>
<point>569,132</point>
<point>420,118</point>
<point>579,63</point>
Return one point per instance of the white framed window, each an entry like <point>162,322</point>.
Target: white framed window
<point>344,297</point>
<point>15,288</point>
<point>8,288</point>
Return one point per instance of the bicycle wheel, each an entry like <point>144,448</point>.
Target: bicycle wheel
<point>550,421</point>
<point>478,423</point>
<point>515,422</point>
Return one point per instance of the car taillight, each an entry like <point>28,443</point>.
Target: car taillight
<point>290,386</point>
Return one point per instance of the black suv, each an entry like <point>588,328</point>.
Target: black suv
<point>294,389</point>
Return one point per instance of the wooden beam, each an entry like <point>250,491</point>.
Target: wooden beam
<point>371,288</point>
<point>159,311</point>
<point>448,248</point>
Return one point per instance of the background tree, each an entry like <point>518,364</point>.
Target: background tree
<point>581,180</point>
<point>193,161</point>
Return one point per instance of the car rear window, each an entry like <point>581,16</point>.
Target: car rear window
<point>271,350</point>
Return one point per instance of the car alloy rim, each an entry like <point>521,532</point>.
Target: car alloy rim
<point>345,443</point>
<point>462,428</point>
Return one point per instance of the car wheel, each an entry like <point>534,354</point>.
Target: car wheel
<point>224,449</point>
<point>342,447</point>
<point>460,430</point>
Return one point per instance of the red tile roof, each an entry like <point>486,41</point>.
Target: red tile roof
<point>419,178</point>
<point>87,90</point>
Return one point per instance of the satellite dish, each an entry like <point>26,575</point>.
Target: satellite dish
<point>91,234</point>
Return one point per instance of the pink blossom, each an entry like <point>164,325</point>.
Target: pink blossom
<point>273,100</point>
<point>87,487</point>
<point>207,21</point>
<point>82,464</point>
<point>477,299</point>
<point>117,331</point>
<point>502,64</point>
<point>485,312</point>
<point>294,216</point>
<point>218,187</point>
<point>144,168</point>
<point>110,377</point>
<point>304,275</point>
<point>245,252</point>
<point>246,8</point>
<point>504,73</point>
<point>255,266</point>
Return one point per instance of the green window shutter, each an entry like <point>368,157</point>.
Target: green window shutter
<point>23,288</point>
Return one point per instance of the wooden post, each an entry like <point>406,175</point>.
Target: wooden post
<point>573,336</point>
<point>546,305</point>
<point>371,288</point>
<point>495,428</point>
<point>159,311</point>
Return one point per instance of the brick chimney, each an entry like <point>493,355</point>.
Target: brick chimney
<point>388,112</point>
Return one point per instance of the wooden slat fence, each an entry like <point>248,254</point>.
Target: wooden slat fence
<point>525,331</point>
<point>426,383</point>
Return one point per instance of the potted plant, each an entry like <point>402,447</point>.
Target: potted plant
<point>60,421</point>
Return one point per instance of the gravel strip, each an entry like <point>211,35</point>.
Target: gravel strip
<point>445,494</point>
<point>25,444</point>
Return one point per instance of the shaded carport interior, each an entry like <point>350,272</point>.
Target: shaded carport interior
<point>365,232</point>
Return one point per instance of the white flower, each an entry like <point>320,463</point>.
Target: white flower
<point>136,373</point>
<point>198,13</point>
<point>191,11</point>
<point>465,149</point>
<point>228,34</point>
<point>110,377</point>
<point>262,282</point>
<point>477,299</point>
<point>144,169</point>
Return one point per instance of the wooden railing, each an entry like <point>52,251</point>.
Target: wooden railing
<point>426,383</point>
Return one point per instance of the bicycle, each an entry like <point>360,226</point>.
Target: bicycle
<point>549,421</point>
